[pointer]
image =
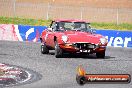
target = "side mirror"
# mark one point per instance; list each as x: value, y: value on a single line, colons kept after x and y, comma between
x: 50, y: 29
x: 93, y: 30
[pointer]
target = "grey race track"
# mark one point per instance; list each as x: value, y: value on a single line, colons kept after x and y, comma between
x: 61, y: 72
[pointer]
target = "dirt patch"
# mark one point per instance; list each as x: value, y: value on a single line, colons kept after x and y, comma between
x: 114, y: 11
x: 1, y: 72
x: 88, y: 3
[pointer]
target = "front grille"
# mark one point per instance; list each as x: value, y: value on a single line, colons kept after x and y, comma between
x: 84, y: 45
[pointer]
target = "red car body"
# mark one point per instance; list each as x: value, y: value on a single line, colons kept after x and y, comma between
x: 74, y: 37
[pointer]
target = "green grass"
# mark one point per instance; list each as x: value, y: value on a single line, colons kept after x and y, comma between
x: 23, y: 21
x: 41, y: 22
x: 123, y: 26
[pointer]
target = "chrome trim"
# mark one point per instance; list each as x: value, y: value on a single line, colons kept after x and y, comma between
x: 85, y: 45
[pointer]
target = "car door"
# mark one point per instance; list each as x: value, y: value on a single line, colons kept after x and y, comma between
x: 50, y: 35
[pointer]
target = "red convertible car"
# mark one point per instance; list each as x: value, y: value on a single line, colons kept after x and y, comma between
x: 72, y: 36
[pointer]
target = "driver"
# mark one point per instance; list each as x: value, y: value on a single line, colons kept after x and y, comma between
x: 77, y: 26
x: 61, y: 26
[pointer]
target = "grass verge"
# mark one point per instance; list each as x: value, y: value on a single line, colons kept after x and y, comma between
x: 123, y: 26
x: 40, y: 22
x: 24, y: 21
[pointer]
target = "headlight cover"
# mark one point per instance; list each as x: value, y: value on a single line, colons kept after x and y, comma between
x: 103, y: 40
x: 64, y: 38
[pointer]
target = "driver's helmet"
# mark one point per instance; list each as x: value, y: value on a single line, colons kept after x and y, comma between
x: 61, y: 26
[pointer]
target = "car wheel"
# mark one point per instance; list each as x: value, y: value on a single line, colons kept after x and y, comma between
x: 100, y: 54
x: 44, y: 49
x: 58, y: 51
x: 80, y: 80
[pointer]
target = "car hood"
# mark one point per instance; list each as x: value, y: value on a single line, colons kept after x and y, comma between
x: 82, y: 37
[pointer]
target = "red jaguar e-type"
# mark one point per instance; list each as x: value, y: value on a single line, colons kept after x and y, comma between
x: 72, y: 36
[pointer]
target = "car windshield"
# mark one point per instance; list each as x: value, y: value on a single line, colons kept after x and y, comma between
x: 78, y: 26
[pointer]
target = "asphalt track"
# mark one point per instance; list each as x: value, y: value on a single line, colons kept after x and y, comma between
x: 61, y: 72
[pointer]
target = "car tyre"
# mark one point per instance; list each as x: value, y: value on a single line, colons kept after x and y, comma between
x: 100, y: 54
x: 58, y: 51
x: 44, y: 49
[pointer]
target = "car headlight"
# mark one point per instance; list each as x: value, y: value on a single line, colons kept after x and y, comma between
x: 103, y: 40
x: 64, y: 38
